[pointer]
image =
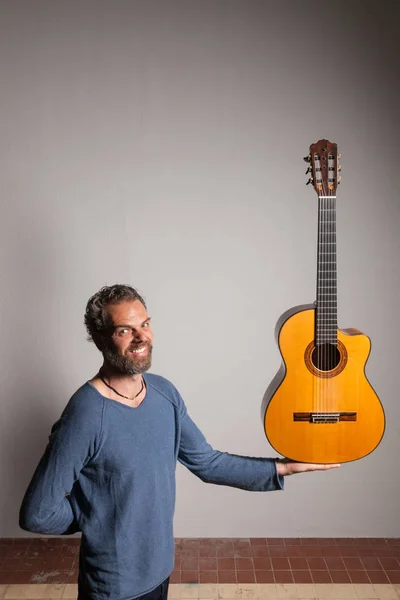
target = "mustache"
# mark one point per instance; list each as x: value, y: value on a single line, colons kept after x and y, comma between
x: 140, y: 345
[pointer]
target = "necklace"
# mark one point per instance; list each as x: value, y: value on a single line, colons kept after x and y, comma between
x: 118, y: 394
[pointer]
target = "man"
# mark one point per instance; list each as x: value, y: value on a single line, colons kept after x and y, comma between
x: 109, y: 467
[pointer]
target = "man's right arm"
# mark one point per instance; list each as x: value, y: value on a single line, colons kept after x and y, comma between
x: 46, y: 508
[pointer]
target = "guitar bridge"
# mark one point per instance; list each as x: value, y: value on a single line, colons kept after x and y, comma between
x: 324, y: 417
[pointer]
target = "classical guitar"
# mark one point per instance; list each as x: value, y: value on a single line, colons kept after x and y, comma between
x: 320, y: 407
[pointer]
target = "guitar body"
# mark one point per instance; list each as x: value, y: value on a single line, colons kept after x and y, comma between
x: 321, y: 416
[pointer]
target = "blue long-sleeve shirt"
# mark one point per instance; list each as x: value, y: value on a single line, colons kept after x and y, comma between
x: 109, y: 472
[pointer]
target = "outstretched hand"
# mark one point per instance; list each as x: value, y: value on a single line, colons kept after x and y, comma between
x: 284, y: 467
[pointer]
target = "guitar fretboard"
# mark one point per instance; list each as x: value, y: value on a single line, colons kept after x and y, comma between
x: 326, y: 311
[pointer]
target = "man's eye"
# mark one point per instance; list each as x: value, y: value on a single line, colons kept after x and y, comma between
x: 123, y: 331
x: 146, y: 324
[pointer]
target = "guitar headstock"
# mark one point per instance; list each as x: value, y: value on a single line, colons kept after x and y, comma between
x: 324, y: 167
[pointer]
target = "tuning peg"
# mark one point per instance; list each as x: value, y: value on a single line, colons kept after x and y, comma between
x: 311, y: 180
x: 339, y: 180
x: 307, y: 158
x: 339, y: 155
x: 339, y: 168
x: 309, y: 170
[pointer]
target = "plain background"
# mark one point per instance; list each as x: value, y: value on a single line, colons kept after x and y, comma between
x: 160, y: 143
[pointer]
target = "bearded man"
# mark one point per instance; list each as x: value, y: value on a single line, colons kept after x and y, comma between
x: 108, y: 470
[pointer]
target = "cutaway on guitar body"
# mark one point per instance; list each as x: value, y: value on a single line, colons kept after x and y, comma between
x: 315, y: 415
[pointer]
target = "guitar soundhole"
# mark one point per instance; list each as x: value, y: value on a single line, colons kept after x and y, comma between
x: 325, y: 357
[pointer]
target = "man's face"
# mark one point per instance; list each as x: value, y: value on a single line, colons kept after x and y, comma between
x: 127, y: 347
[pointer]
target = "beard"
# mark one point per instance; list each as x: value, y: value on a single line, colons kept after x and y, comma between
x: 128, y: 365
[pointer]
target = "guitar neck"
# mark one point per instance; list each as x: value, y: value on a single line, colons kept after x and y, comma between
x: 326, y: 309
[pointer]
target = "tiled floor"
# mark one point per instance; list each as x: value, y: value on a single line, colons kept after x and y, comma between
x: 320, y: 561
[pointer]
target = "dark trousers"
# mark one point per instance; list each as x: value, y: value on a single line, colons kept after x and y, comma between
x: 160, y: 593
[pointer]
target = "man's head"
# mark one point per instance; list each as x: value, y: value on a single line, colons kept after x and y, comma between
x: 116, y: 320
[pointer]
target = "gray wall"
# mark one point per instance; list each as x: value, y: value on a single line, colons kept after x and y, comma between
x: 160, y: 143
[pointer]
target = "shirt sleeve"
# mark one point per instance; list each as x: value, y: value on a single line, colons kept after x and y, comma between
x: 222, y: 468
x: 73, y: 441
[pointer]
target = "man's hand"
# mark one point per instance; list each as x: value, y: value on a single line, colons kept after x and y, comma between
x: 284, y: 467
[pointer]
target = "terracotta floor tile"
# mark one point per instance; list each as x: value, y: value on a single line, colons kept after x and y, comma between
x: 226, y: 576
x: 208, y: 577
x: 358, y: 577
x: 292, y: 542
x: 280, y: 563
x: 189, y: 563
x: 245, y: 577
x: 340, y: 576
x: 208, y: 564
x: 393, y: 576
x: 71, y: 551
x: 378, y: 576
x: 226, y: 564
x: 225, y: 551
x: 17, y: 552
x: 327, y: 542
x: 344, y: 541
x: 208, y: 542
x: 378, y: 552
x: 312, y: 551
x: 247, y: 550
x: 244, y: 564
x: 283, y: 576
x: 207, y: 551
x: 175, y: 577
x: 260, y: 551
x: 6, y: 577
x: 50, y: 577
x: 390, y: 564
x: 189, y: 577
x: 224, y: 542
x: 366, y: 551
x: 258, y: 541
x: 316, y: 563
x: 237, y: 543
x: 348, y: 551
x: 377, y: 541
x: 11, y: 564
x: 24, y: 541
x: 275, y: 541
x: 298, y: 562
x: 262, y: 564
x: 353, y: 563
x: 264, y: 576
x: 371, y: 563
x: 321, y: 576
x: 331, y: 551
x: 73, y: 576
x: 303, y: 576
x: 22, y: 576
x: 189, y: 552
x: 190, y: 542
x: 334, y: 563
x: 295, y: 551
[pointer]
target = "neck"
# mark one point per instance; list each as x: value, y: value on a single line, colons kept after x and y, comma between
x: 110, y: 372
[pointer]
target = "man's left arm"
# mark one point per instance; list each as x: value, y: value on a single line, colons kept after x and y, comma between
x: 255, y: 474
x: 223, y: 468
